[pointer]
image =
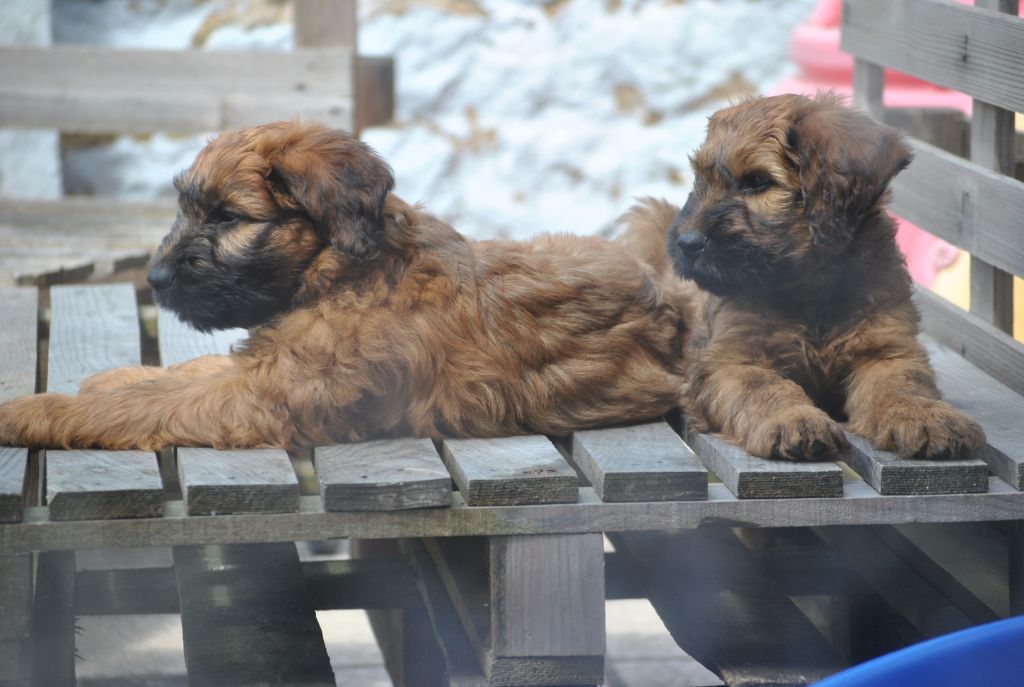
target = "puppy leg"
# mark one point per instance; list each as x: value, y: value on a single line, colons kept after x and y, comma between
x: 766, y: 414
x: 124, y: 376
x: 179, y: 407
x: 893, y: 401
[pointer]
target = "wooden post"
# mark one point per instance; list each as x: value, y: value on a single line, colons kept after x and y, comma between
x: 868, y: 86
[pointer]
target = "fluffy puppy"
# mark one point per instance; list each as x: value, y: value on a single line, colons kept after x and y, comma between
x: 370, y: 317
x: 807, y: 319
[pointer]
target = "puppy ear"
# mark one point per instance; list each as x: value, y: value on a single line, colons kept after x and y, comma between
x: 339, y: 181
x: 845, y: 160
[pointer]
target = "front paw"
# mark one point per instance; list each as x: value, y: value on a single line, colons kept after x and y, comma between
x: 30, y: 421
x: 797, y: 433
x: 929, y: 429
x: 108, y: 380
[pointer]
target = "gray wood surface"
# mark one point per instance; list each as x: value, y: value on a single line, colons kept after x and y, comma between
x: 964, y: 203
x: 53, y: 630
x: 646, y: 462
x: 97, y: 90
x: 180, y: 343
x: 382, y: 475
x: 249, y: 481
x: 750, y: 477
x: 889, y: 474
x: 977, y: 52
x: 868, y: 88
x: 247, y: 618
x: 94, y: 328
x: 16, y: 610
x: 861, y: 505
x: 997, y: 408
x: 726, y: 612
x: 19, y: 309
x: 509, y: 471
x: 992, y: 351
x: 97, y: 485
x: 13, y: 462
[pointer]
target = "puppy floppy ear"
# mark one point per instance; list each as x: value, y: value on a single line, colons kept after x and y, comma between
x: 339, y: 181
x: 845, y: 161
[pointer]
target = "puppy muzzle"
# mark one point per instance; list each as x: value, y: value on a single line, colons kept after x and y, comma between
x: 692, y: 243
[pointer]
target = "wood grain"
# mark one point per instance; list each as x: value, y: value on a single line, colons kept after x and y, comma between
x: 179, y: 342
x: 246, y: 617
x: 977, y: 52
x: 509, y: 471
x: 19, y: 308
x: 997, y: 408
x: 861, y: 505
x: 962, y: 202
x: 646, y: 462
x: 724, y: 611
x: 750, y: 477
x: 247, y: 481
x: 97, y: 485
x: 13, y: 464
x: 888, y: 474
x: 382, y: 475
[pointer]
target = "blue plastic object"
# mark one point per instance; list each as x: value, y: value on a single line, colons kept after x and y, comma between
x: 987, y: 656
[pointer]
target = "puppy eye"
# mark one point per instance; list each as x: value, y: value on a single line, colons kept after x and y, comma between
x: 756, y: 183
x: 222, y: 216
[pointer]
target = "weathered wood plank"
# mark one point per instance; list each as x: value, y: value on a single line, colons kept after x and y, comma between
x: 180, y: 343
x: 861, y: 505
x: 974, y: 51
x: 97, y: 485
x: 53, y: 631
x: 247, y: 618
x: 750, y: 477
x: 964, y: 203
x: 19, y: 309
x: 375, y: 86
x: 997, y: 408
x: 382, y: 475
x: 994, y: 352
x: 502, y: 590
x: 725, y: 612
x: 13, y: 464
x: 509, y: 471
x: 16, y: 614
x: 250, y: 481
x: 868, y: 88
x: 888, y: 474
x: 646, y: 462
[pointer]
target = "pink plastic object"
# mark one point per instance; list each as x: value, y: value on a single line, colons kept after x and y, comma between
x: 814, y: 48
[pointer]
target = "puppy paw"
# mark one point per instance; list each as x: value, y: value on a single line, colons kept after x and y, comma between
x: 929, y: 429
x: 108, y: 380
x: 797, y: 433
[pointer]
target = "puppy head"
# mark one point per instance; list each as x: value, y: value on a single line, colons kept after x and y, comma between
x: 782, y: 185
x: 255, y: 210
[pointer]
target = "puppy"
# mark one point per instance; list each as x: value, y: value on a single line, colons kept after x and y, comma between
x: 371, y: 318
x: 807, y: 317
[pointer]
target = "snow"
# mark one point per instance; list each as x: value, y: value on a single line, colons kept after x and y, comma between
x: 512, y: 117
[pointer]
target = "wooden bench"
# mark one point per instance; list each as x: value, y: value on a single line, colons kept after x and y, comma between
x: 482, y: 560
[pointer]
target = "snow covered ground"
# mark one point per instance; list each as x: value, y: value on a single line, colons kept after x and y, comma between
x: 512, y: 117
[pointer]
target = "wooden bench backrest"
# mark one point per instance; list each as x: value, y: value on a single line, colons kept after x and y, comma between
x: 974, y: 204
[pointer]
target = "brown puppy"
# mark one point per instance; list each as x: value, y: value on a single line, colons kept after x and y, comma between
x: 370, y: 317
x: 808, y: 318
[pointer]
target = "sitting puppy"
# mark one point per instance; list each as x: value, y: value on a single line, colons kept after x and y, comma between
x: 371, y: 318
x: 808, y: 316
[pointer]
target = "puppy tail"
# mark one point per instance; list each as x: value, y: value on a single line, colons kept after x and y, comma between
x: 643, y: 231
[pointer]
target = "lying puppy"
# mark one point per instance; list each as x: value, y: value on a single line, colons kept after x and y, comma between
x: 371, y: 318
x: 808, y: 316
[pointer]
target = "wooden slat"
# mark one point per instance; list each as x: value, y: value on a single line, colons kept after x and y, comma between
x: 53, y: 631
x: 992, y: 351
x: 382, y: 475
x: 94, y: 328
x: 639, y: 463
x: 13, y: 464
x: 963, y: 203
x: 861, y: 505
x: 247, y: 618
x: 18, y: 311
x: 180, y: 343
x: 978, y: 52
x: 997, y: 408
x: 532, y: 607
x: 725, y: 612
x: 16, y: 611
x: 250, y: 481
x: 510, y: 471
x: 750, y: 477
x: 888, y: 474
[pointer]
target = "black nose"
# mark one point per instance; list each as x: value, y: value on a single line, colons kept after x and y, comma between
x: 692, y: 243
x: 160, y: 277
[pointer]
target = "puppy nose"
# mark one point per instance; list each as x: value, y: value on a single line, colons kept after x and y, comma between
x: 160, y: 277
x: 692, y: 243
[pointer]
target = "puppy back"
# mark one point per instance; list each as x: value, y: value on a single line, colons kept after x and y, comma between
x: 643, y: 231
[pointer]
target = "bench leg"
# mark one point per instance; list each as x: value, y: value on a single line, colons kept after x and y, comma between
x: 53, y: 631
x: 16, y: 620
x: 1017, y: 568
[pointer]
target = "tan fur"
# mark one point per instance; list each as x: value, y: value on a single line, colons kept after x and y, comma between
x: 395, y: 323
